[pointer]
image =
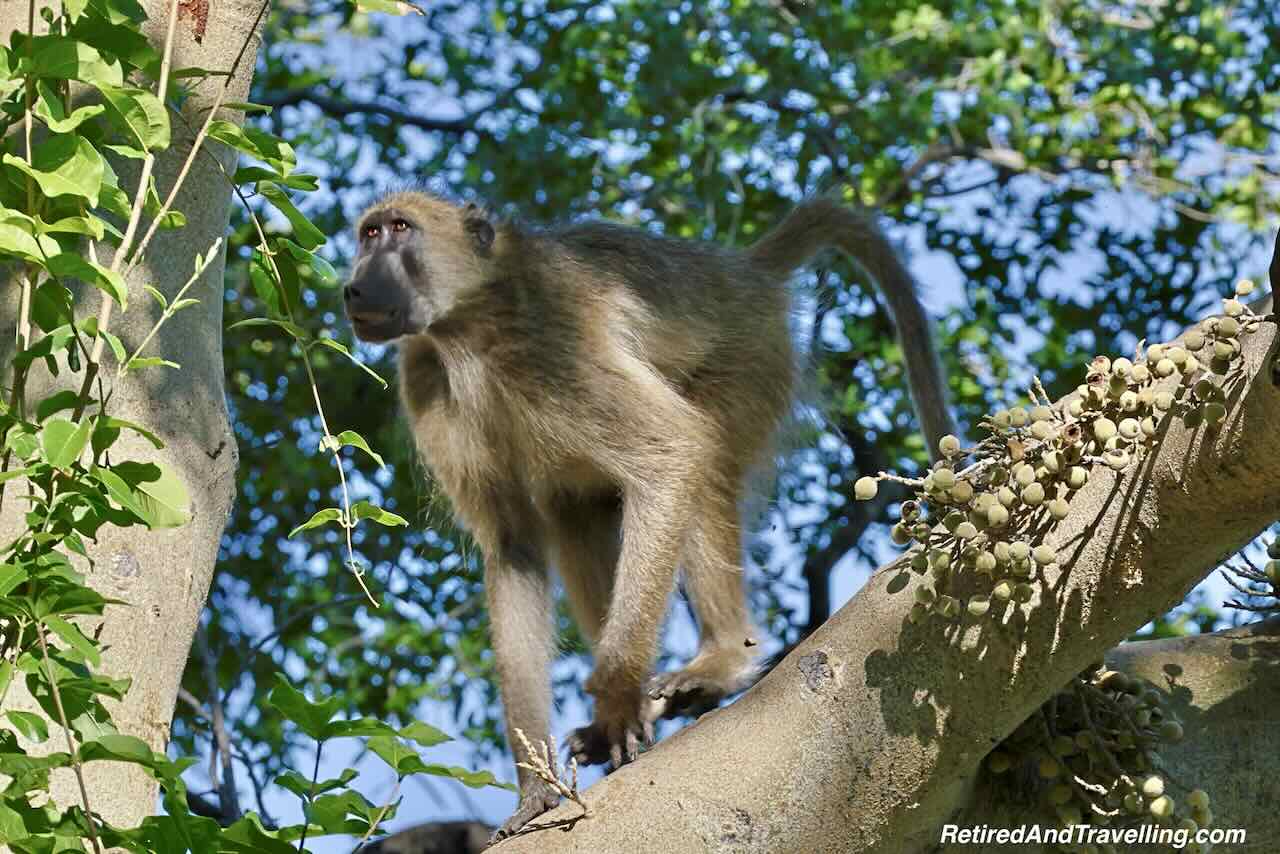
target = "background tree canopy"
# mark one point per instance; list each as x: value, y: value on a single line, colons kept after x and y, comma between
x: 1069, y: 177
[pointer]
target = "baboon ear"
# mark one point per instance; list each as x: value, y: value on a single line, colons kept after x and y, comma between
x: 478, y: 227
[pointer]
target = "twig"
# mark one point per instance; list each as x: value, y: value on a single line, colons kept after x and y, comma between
x: 256, y: 646
x: 328, y: 440
x: 196, y: 143
x: 228, y: 796
x: 17, y: 398
x: 202, y: 264
x: 135, y: 216
x: 315, y: 775
x: 399, y: 118
x: 66, y: 731
x: 377, y: 819
x: 546, y: 767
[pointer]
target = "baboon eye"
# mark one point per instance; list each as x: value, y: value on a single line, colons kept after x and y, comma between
x: 399, y: 225
x: 372, y: 231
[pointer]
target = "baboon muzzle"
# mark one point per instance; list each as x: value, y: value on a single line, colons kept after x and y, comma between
x: 374, y: 302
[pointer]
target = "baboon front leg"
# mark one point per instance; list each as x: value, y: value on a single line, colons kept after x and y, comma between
x: 520, y: 621
x: 725, y: 662
x: 654, y: 523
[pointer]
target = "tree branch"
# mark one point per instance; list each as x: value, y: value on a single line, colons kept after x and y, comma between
x: 341, y: 108
x: 867, y: 736
x: 1224, y: 690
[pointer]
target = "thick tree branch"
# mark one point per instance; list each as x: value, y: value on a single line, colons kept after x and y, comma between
x: 1225, y: 689
x: 867, y: 736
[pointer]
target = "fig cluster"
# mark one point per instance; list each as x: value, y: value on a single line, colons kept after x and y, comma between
x: 1093, y: 750
x: 982, y: 518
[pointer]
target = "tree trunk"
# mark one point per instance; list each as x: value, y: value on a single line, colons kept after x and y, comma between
x: 868, y: 736
x: 163, y: 575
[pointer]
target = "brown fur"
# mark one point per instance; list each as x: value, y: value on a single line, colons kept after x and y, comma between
x: 593, y: 397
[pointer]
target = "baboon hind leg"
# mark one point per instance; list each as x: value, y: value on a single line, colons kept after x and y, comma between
x: 586, y: 539
x: 725, y: 661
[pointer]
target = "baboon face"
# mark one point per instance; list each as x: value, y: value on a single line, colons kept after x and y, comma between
x: 418, y: 260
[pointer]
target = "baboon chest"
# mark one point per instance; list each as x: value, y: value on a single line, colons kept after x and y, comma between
x: 493, y: 443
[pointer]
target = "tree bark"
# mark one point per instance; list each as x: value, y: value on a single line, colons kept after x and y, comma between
x: 868, y: 736
x: 163, y: 575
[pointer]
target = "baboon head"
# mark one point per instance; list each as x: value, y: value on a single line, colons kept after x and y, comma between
x: 419, y: 260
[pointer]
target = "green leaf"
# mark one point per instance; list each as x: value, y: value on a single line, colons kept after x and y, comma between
x: 360, y: 727
x: 160, y: 492
x: 56, y: 402
x: 74, y: 638
x: 141, y: 113
x: 306, y: 234
x: 64, y: 165
x: 118, y: 748
x: 150, y: 491
x: 424, y: 734
x: 342, y: 348
x: 74, y: 8
x: 246, y: 107
x: 365, y: 510
x: 271, y: 150
x: 141, y: 362
x: 312, y: 262
x: 18, y: 236
x: 66, y: 58
x: 22, y: 442
x: 389, y: 7
x: 248, y: 836
x: 322, y: 517
x: 120, y: 490
x: 11, y: 576
x: 128, y: 152
x: 292, y: 328
x: 71, y: 264
x: 88, y: 224
x: 265, y: 284
x: 333, y: 812
x: 32, y: 726
x: 312, y: 718
x: 295, y: 181
x: 402, y: 758
x: 110, y: 426
x: 12, y: 826
x: 117, y: 346
x: 301, y: 786
x: 156, y: 295
x: 473, y: 779
x: 63, y: 441
x: 48, y: 108
x: 113, y: 31
x: 173, y: 218
x: 55, y: 342
x: 355, y: 440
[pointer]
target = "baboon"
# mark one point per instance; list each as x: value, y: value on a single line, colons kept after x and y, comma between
x: 593, y: 397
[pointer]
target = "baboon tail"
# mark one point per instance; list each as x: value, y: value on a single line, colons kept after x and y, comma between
x: 820, y: 223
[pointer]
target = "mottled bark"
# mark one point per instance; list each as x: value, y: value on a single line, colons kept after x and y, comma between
x: 163, y: 575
